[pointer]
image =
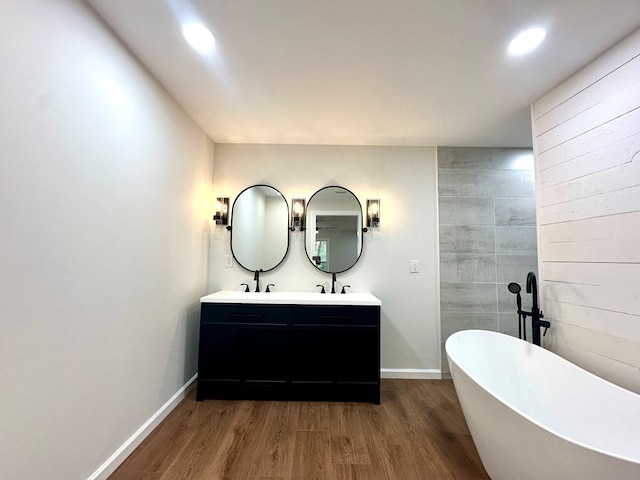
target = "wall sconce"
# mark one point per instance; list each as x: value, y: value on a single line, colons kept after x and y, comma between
x: 221, y: 217
x: 373, y: 213
x: 297, y: 214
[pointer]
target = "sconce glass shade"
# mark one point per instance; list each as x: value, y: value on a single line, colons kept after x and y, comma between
x: 297, y: 213
x: 373, y: 213
x: 221, y: 217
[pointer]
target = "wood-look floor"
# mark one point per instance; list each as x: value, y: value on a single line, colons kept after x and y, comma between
x: 418, y: 432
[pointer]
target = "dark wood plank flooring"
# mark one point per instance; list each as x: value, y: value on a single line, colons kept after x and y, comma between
x: 418, y: 432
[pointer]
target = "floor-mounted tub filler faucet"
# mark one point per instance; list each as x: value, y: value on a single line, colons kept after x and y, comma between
x: 535, y: 313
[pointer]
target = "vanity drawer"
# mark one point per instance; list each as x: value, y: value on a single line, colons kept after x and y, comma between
x: 335, y: 315
x: 241, y: 314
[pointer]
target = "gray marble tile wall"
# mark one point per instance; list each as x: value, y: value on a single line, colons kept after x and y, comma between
x: 487, y: 236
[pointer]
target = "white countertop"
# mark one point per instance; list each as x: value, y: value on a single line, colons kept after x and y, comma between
x: 292, y: 298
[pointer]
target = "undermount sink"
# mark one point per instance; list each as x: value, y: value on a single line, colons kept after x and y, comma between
x: 292, y: 298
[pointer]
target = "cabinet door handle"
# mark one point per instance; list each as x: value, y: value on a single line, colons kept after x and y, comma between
x: 333, y: 318
x: 251, y: 316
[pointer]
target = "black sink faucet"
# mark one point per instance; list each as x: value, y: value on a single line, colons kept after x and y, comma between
x: 256, y: 277
x: 536, y: 314
x: 333, y: 282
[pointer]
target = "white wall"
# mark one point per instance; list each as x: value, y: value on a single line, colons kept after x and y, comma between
x: 587, y: 145
x: 104, y: 227
x: 405, y: 180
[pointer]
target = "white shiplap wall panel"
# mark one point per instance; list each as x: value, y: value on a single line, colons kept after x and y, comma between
x: 596, y: 94
x: 609, y: 346
x: 622, y: 275
x: 599, y: 160
x: 609, y: 133
x: 626, y: 199
x: 591, y: 351
x: 617, y: 324
x: 587, y: 147
x: 600, y: 67
x: 616, y: 105
x: 601, y: 297
x: 609, y: 239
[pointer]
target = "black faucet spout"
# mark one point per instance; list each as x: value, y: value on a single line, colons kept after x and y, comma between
x: 256, y: 278
x: 536, y: 314
x: 333, y: 282
x: 532, y: 288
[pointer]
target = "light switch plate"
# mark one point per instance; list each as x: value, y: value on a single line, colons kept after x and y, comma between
x: 415, y: 266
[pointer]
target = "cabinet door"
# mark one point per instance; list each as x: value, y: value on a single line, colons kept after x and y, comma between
x: 266, y: 354
x: 219, y: 356
x: 335, y: 354
x: 356, y: 354
x: 312, y: 354
x: 336, y: 343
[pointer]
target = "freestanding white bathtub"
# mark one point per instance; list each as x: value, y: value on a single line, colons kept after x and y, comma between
x: 534, y: 415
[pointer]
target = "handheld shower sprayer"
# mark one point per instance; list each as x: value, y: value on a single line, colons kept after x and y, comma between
x: 515, y: 288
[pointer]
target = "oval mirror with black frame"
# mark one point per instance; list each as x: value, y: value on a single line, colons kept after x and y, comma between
x: 333, y: 234
x: 259, y: 228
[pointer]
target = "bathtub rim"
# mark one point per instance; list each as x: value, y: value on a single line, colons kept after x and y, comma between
x: 580, y: 370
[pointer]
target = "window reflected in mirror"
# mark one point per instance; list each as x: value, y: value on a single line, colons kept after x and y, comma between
x: 320, y: 257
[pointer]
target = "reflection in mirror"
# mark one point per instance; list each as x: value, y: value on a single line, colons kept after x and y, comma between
x: 333, y: 235
x: 259, y: 228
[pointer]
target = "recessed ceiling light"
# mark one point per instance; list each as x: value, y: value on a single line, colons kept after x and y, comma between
x: 199, y: 37
x: 527, y: 41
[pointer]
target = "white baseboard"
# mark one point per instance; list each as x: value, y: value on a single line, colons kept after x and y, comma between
x: 411, y: 373
x: 119, y: 456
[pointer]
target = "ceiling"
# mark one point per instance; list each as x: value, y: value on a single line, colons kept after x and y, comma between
x: 366, y: 72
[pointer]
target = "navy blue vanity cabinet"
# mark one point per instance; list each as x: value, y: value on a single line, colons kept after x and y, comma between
x: 242, y: 348
x: 296, y: 352
x: 337, y: 351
